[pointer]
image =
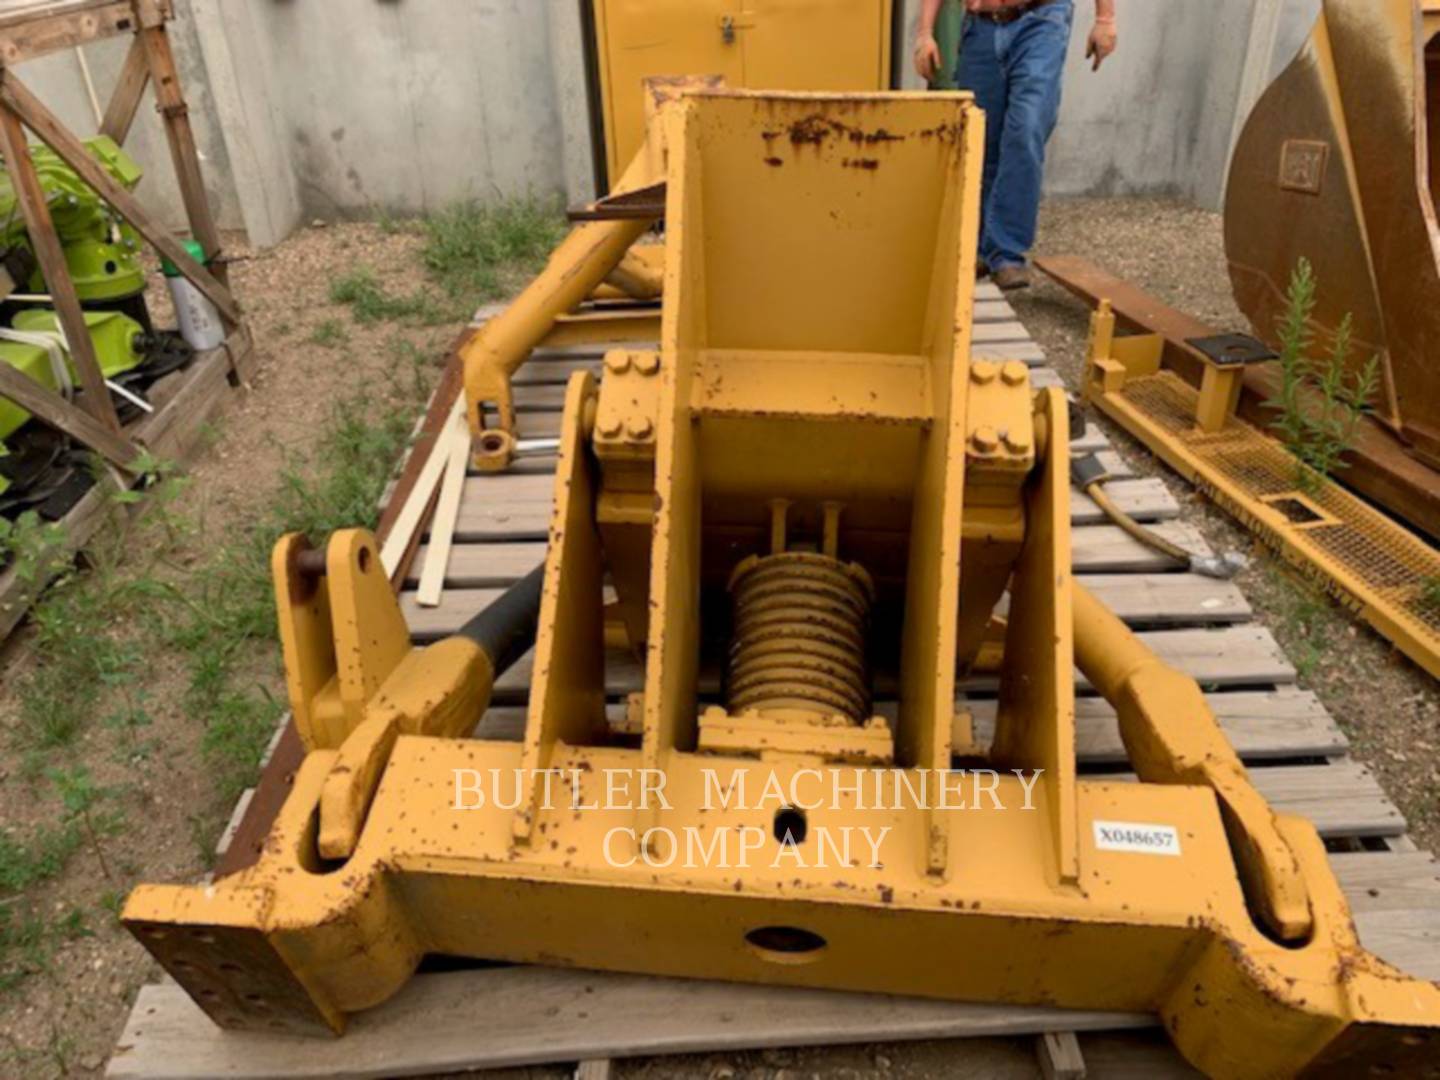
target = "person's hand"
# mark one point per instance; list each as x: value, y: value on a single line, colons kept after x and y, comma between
x: 1103, y: 40
x: 927, y: 57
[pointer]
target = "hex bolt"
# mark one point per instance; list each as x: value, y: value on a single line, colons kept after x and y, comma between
x: 1014, y: 373
x: 647, y: 363
x: 985, y: 440
x: 640, y: 427
x: 609, y: 427
x: 617, y: 362
x: 1017, y: 442
x: 982, y: 372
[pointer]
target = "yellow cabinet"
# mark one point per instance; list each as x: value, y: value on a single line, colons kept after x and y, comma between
x: 758, y: 44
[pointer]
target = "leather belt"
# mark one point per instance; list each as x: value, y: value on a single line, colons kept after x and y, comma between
x: 1009, y: 15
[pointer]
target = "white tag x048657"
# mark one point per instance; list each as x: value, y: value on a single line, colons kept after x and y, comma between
x: 1140, y: 839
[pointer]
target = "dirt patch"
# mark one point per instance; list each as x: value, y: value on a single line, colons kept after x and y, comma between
x: 1388, y: 707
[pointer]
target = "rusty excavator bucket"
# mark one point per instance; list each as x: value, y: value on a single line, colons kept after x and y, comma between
x: 1340, y: 164
x: 807, y: 505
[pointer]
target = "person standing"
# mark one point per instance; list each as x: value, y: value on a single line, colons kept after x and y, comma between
x: 1012, y: 58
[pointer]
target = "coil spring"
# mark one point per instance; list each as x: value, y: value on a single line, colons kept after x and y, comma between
x: 800, y: 633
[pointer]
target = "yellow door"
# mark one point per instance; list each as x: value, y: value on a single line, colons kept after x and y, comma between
x: 755, y: 44
x: 816, y: 44
x: 639, y: 39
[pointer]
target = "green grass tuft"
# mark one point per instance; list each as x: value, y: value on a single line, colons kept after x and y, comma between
x: 478, y: 252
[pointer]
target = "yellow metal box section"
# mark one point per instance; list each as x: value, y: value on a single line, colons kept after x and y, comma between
x: 756, y: 44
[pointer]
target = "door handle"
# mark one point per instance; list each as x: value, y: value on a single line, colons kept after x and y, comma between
x: 730, y: 23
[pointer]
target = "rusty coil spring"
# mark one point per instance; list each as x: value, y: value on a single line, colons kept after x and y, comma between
x: 800, y: 631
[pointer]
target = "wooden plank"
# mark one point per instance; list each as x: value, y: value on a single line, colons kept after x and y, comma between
x: 1098, y: 549
x: 407, y: 521
x: 517, y: 1016
x: 46, y: 244
x: 478, y: 566
x: 127, y: 95
x: 175, y: 117
x: 54, y: 134
x: 983, y: 334
x: 1231, y: 656
x: 1396, y: 901
x: 1169, y: 599
x: 1341, y: 799
x: 442, y: 524
x: 1108, y: 549
x: 33, y: 30
x: 1058, y: 1053
x: 1139, y: 599
x: 517, y: 507
x: 1262, y: 725
x: 80, y: 424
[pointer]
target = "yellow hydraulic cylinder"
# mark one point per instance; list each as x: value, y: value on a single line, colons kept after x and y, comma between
x: 588, y: 256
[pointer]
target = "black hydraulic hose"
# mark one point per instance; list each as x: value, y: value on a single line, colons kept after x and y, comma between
x: 506, y: 629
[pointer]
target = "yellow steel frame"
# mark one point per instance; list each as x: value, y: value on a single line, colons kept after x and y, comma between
x: 814, y: 348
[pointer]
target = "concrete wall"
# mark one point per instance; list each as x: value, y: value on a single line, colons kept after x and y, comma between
x: 335, y: 108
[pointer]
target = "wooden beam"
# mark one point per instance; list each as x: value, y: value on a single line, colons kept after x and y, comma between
x: 37, y: 29
x: 31, y: 197
x: 129, y: 90
x: 50, y: 408
x: 16, y: 97
x: 175, y: 115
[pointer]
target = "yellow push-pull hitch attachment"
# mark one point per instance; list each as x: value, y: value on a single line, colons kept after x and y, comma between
x: 809, y: 505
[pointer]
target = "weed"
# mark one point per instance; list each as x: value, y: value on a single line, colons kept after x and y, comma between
x: 35, y: 548
x: 478, y: 252
x: 329, y: 334
x: 1307, y: 621
x: 1430, y: 593
x: 392, y: 224
x: 1318, y: 428
x: 81, y: 797
x: 370, y: 303
x: 23, y: 865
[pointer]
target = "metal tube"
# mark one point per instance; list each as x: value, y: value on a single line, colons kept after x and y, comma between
x: 505, y: 631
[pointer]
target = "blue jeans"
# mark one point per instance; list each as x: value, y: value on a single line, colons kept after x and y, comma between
x: 1015, y: 73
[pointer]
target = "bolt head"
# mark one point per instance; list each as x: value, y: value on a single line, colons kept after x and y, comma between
x: 609, y: 427
x: 617, y: 362
x: 1017, y: 442
x: 640, y: 427
x: 647, y: 363
x: 985, y: 440
x: 982, y: 372
x: 1014, y: 373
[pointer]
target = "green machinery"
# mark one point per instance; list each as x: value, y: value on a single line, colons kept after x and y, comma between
x: 120, y: 345
x: 102, y: 253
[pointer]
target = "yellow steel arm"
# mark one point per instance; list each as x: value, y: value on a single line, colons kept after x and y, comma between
x: 1173, y: 738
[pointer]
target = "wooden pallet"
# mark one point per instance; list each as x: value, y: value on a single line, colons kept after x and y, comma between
x: 526, y: 1016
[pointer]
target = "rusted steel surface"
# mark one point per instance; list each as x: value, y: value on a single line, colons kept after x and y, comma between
x: 1380, y: 467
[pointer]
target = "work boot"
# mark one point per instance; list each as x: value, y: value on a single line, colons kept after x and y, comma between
x: 1010, y: 278
x: 981, y: 271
